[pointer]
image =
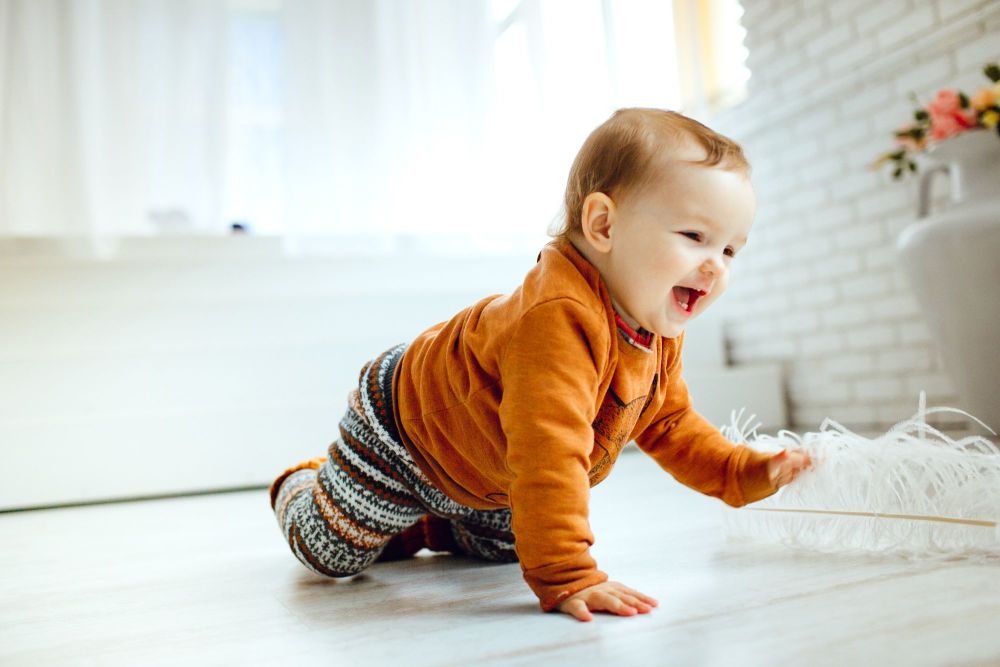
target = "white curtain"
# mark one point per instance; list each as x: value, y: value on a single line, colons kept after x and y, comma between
x: 110, y: 110
x: 387, y: 113
x: 376, y: 118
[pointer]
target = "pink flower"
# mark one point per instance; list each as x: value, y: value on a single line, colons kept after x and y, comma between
x: 948, y: 118
x: 948, y: 125
x: 946, y: 102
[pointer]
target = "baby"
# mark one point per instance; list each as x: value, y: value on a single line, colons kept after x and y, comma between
x: 483, y: 436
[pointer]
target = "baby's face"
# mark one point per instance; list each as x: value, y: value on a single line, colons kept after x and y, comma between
x: 673, y: 242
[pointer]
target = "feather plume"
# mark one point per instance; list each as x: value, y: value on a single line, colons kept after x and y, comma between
x: 913, y: 491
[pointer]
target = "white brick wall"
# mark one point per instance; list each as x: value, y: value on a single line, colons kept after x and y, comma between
x: 818, y: 287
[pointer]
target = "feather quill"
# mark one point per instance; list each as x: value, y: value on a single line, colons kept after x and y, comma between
x: 912, y: 491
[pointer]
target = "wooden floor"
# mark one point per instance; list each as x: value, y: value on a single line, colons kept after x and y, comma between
x: 208, y: 580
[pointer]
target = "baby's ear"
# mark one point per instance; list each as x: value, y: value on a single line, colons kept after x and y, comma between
x: 597, y: 220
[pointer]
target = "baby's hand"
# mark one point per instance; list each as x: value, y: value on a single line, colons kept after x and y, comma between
x: 785, y: 466
x: 610, y: 596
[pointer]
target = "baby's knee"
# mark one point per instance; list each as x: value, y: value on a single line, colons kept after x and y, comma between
x: 328, y: 557
x: 322, y: 535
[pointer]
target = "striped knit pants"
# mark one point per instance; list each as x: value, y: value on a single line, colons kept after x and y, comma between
x: 338, y: 513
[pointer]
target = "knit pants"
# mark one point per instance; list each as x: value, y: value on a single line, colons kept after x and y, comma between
x: 338, y: 513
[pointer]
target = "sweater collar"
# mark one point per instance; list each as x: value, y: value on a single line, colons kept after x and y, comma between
x: 642, y: 339
x: 582, y: 264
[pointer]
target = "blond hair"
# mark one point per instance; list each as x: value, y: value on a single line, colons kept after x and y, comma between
x: 616, y: 158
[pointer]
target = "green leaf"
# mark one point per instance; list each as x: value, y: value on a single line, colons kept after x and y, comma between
x: 913, y: 166
x: 897, y: 155
x: 992, y: 71
x: 921, y: 115
x: 897, y: 173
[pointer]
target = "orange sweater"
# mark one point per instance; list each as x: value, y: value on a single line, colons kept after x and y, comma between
x: 524, y: 401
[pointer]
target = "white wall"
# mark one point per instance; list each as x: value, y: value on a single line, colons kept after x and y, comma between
x: 188, y: 364
x: 818, y: 288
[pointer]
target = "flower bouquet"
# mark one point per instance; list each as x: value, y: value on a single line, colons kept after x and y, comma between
x: 950, y: 113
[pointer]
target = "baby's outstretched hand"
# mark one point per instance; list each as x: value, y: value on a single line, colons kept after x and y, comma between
x: 609, y: 596
x: 785, y: 466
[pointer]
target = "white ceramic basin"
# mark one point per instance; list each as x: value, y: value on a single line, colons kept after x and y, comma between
x: 953, y: 263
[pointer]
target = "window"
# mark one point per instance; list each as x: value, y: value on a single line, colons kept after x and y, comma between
x: 302, y: 117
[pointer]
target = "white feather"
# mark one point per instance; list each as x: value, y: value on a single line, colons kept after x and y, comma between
x: 912, y: 491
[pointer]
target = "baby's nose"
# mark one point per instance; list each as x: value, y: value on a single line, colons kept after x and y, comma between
x: 713, y: 265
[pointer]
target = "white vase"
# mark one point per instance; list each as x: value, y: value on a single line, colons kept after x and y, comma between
x: 952, y: 260
x: 972, y: 162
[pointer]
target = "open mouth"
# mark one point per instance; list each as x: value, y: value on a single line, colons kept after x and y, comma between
x: 686, y: 297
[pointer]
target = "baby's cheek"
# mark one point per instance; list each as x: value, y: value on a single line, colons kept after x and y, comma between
x: 717, y: 291
x: 720, y: 287
x: 723, y: 281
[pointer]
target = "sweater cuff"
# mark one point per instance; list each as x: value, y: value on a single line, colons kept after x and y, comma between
x: 754, y: 482
x: 550, y: 597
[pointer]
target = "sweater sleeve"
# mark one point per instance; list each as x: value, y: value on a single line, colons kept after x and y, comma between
x: 695, y: 453
x: 551, y: 371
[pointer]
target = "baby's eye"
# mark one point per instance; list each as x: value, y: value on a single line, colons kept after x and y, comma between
x: 729, y: 252
x: 694, y: 236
